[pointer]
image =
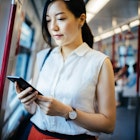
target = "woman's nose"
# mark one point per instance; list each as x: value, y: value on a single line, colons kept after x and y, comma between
x: 54, y: 26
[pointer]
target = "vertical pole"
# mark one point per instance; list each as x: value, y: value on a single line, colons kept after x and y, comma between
x: 100, y: 45
x: 6, y: 53
x: 137, y: 88
x: 138, y: 60
x: 113, y: 50
x: 7, y: 47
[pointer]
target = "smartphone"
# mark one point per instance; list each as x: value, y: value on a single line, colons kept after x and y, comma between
x: 21, y: 82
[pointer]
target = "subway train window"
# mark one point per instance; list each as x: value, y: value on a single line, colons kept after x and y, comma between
x: 26, y: 35
x: 127, y: 55
x: 130, y: 58
x: 25, y: 44
x: 122, y: 51
x: 15, y: 110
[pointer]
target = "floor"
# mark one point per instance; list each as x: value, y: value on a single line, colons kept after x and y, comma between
x: 126, y: 125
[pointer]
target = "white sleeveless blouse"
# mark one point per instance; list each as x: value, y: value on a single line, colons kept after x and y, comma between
x: 72, y: 82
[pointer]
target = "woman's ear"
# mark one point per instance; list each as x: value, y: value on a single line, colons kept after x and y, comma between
x: 82, y: 19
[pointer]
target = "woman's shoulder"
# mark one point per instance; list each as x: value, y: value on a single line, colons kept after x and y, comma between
x: 92, y: 55
x: 97, y: 55
x: 91, y: 51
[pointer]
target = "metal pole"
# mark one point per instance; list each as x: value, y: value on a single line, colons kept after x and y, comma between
x: 137, y: 88
x: 7, y: 47
x: 6, y: 53
x: 113, y: 50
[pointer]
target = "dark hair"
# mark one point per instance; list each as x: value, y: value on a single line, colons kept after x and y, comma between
x: 77, y: 7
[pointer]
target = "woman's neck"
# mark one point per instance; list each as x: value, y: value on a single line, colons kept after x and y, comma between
x: 66, y: 50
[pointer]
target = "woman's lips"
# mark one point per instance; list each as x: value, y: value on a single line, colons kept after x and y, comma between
x: 57, y: 36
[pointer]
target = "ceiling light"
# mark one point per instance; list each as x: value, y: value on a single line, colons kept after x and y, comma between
x: 117, y: 30
x: 125, y: 27
x: 114, y: 22
x: 134, y: 23
x: 100, y: 29
x: 97, y: 38
x: 94, y: 6
x: 107, y: 35
x: 89, y: 17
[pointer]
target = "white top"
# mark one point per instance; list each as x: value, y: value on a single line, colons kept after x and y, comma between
x: 72, y: 82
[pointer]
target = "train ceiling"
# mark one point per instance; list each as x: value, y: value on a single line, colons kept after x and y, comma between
x: 121, y: 11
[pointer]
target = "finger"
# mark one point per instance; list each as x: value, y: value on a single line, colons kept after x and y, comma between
x: 44, y: 98
x: 25, y: 93
x: 17, y: 87
x: 46, y: 104
x: 44, y: 109
x: 29, y: 98
x: 29, y: 101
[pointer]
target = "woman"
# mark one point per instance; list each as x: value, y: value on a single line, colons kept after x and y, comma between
x: 76, y: 81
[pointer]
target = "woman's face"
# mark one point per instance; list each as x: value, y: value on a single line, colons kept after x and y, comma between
x: 62, y: 25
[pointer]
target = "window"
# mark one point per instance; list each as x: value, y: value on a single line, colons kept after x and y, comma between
x: 127, y: 56
x: 14, y: 106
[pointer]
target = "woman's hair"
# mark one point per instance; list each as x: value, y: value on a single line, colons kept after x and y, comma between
x: 77, y: 7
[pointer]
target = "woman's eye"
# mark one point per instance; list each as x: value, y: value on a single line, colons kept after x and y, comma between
x: 61, y: 18
x: 47, y: 20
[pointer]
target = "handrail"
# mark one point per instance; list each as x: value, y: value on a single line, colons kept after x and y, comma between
x: 137, y: 89
x: 7, y: 47
x: 6, y: 52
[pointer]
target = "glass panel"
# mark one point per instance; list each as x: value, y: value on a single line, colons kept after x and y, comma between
x: 21, y: 65
x: 26, y: 36
x: 127, y: 56
x: 122, y: 55
x: 15, y: 109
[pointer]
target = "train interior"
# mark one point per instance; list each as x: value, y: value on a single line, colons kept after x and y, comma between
x: 116, y: 29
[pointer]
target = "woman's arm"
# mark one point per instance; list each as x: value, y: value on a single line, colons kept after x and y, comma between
x: 104, y: 121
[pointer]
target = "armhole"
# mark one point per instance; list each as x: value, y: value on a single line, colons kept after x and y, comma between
x: 46, y: 56
x: 96, y: 108
x: 39, y: 64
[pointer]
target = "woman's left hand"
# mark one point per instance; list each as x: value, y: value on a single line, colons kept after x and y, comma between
x: 52, y: 107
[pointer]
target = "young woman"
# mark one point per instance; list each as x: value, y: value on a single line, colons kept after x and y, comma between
x: 76, y: 81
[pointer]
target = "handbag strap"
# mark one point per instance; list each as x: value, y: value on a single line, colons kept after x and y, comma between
x: 46, y: 56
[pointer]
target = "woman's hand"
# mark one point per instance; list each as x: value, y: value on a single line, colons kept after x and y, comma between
x: 27, y: 97
x: 53, y: 107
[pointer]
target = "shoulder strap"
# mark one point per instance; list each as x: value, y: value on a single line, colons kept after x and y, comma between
x: 48, y: 53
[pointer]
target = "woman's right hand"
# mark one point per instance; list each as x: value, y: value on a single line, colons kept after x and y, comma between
x: 27, y: 97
